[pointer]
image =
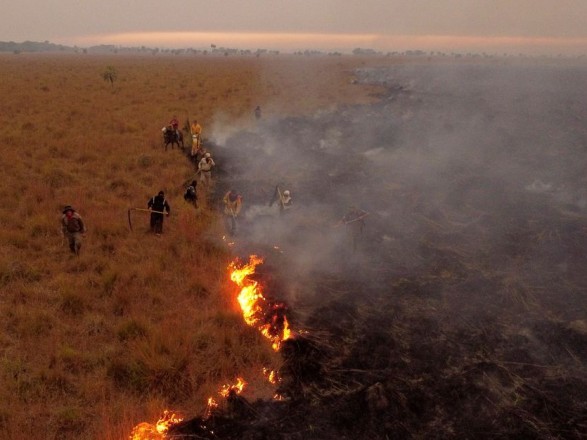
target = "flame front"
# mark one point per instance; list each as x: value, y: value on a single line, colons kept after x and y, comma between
x: 157, y: 431
x: 225, y: 392
x: 237, y: 388
x: 268, y: 317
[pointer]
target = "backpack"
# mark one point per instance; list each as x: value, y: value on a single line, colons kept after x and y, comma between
x: 73, y: 225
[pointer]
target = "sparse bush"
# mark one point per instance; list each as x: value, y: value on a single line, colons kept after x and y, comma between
x: 72, y: 303
x: 37, y: 324
x: 131, y: 329
x: 17, y: 270
x: 75, y: 361
x: 67, y: 421
x: 110, y: 75
x: 127, y: 374
x: 109, y: 278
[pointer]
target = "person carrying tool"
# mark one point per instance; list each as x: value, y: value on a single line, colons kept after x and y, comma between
x: 205, y: 169
x: 191, y: 194
x: 232, y: 207
x: 72, y: 227
x: 284, y: 199
x: 159, y: 207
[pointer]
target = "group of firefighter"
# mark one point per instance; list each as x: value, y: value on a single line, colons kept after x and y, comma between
x: 73, y: 226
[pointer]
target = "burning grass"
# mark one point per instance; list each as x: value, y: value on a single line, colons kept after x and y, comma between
x: 460, y: 311
x: 87, y: 346
x: 460, y: 327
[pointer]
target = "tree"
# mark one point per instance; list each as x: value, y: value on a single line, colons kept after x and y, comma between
x: 110, y: 74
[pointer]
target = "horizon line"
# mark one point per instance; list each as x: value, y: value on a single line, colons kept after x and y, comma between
x: 339, y: 41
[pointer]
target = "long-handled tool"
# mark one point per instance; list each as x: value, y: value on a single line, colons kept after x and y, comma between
x: 144, y: 210
x: 361, y: 217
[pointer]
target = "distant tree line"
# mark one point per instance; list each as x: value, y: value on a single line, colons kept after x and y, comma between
x: 33, y: 46
x: 46, y: 46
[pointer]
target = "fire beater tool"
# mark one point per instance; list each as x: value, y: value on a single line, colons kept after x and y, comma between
x: 144, y: 210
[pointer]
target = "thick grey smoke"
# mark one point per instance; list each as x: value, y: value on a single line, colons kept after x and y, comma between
x: 464, y: 162
x: 469, y: 277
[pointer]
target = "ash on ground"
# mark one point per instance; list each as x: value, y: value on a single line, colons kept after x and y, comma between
x: 460, y: 310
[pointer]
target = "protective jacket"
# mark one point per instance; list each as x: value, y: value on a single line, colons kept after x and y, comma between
x: 232, y: 203
x: 158, y: 203
x: 73, y: 223
x: 206, y: 164
x: 196, y: 128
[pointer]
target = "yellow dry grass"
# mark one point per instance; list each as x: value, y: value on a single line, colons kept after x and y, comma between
x: 90, y: 346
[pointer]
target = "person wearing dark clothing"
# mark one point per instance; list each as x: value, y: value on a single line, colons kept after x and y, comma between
x: 190, y: 194
x: 257, y: 112
x: 73, y: 227
x: 160, y: 208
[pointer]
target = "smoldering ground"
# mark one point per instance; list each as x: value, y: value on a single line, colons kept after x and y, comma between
x: 462, y: 308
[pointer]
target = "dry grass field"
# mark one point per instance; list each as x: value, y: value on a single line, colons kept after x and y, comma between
x: 92, y: 345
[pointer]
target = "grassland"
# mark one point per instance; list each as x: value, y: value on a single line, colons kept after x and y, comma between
x: 92, y: 345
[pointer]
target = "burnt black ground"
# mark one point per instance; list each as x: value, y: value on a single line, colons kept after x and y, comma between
x: 463, y: 311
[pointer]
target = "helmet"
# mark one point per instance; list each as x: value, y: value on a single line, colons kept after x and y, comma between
x: 207, y: 155
x: 161, y: 193
x: 286, y: 192
x: 68, y: 208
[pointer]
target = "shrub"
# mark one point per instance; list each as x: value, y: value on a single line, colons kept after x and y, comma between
x: 131, y: 329
x: 72, y: 303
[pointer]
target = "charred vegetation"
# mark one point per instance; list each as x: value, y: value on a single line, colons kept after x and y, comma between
x: 461, y: 314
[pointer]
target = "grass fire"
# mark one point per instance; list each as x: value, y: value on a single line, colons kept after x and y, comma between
x: 267, y: 316
x: 423, y: 278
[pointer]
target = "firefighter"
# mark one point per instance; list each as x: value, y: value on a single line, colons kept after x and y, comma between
x: 73, y: 228
x: 205, y: 169
x: 158, y: 204
x: 196, y: 131
x: 232, y: 207
x: 284, y: 199
x: 191, y: 194
x: 175, y: 125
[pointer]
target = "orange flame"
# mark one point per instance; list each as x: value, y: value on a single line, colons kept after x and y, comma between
x: 257, y: 311
x: 271, y: 376
x: 157, y: 431
x: 236, y: 388
x: 268, y: 317
x: 210, y: 407
x: 225, y: 391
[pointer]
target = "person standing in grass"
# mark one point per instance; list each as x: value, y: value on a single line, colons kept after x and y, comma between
x: 205, y: 169
x: 175, y: 125
x: 160, y: 208
x: 196, y: 130
x: 73, y: 227
x: 232, y: 207
x: 190, y: 194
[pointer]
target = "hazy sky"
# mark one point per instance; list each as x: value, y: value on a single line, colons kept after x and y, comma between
x: 532, y: 26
